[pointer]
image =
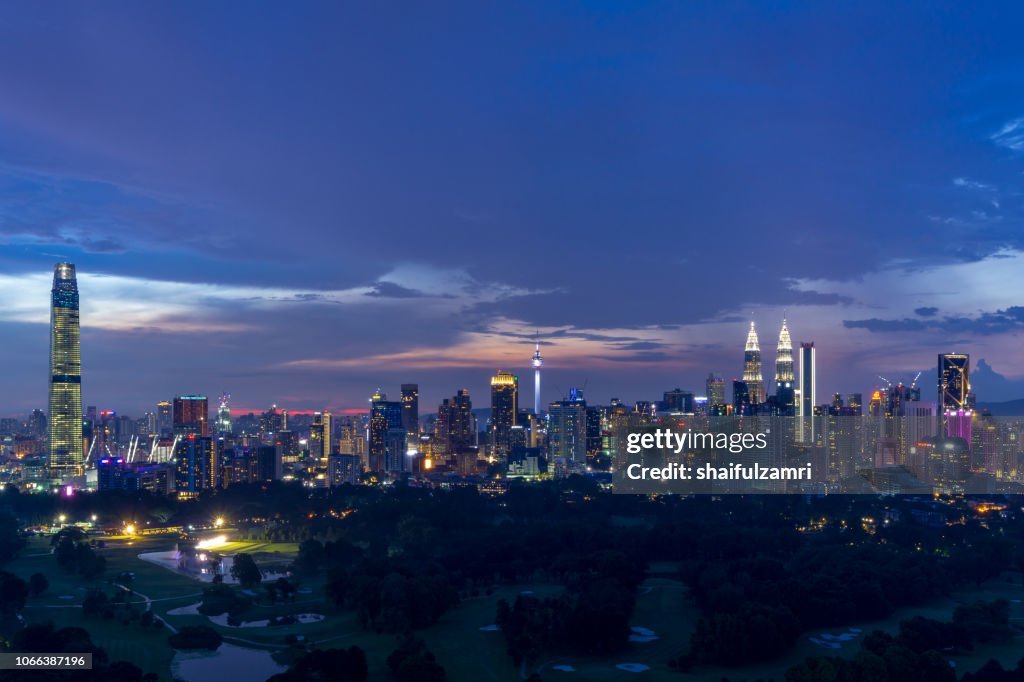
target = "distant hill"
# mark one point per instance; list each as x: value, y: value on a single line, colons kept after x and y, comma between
x: 1009, y: 408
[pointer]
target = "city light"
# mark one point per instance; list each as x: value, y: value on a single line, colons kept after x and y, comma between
x: 215, y: 541
x: 219, y: 521
x: 129, y: 529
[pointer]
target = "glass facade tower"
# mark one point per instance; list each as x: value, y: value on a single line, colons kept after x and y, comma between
x: 65, y: 417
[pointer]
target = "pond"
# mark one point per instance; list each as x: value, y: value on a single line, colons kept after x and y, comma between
x: 227, y: 662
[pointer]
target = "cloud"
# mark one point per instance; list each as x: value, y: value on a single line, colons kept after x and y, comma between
x: 973, y: 184
x: 1010, y: 135
x: 392, y: 290
x: 926, y: 311
x: 986, y: 324
x: 121, y: 303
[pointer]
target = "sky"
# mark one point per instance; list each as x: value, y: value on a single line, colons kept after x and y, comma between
x: 297, y: 203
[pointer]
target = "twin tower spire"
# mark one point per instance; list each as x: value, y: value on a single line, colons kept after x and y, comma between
x: 752, y: 375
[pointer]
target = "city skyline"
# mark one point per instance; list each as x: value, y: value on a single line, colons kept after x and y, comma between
x: 284, y: 209
x: 65, y: 348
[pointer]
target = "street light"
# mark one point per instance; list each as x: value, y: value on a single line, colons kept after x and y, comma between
x: 62, y: 518
x: 129, y: 529
x: 219, y: 521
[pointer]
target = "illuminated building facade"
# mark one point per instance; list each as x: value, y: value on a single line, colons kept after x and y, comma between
x: 954, y: 392
x: 411, y: 408
x: 806, y: 432
x: 164, y: 419
x: 752, y: 376
x: 715, y: 390
x: 385, y: 420
x: 196, y: 466
x: 191, y: 415
x: 785, y: 381
x: 66, y: 448
x: 567, y: 431
x: 224, y: 426
x: 504, y: 409
x: 320, y: 438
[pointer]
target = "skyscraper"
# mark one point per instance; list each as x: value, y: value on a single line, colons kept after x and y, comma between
x: 784, y: 356
x: 715, y: 386
x: 320, y: 438
x: 752, y: 367
x: 385, y: 422
x: 191, y: 415
x: 164, y: 420
x: 784, y: 379
x: 65, y: 415
x: 808, y: 395
x: 461, y: 430
x: 224, y: 415
x: 954, y: 394
x: 504, y: 408
x: 538, y: 362
x: 197, y: 467
x: 411, y: 408
x: 567, y: 434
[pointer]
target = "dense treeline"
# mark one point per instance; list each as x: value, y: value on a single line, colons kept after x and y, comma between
x: 919, y: 653
x: 760, y: 583
x: 591, y: 616
x: 70, y: 640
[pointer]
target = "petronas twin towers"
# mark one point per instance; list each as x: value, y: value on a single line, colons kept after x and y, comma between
x: 752, y: 374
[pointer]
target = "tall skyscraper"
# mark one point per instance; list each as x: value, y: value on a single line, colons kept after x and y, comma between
x: 785, y: 389
x: 715, y: 387
x: 224, y: 415
x: 65, y: 416
x: 461, y: 429
x: 411, y: 408
x: 784, y: 356
x: 538, y: 362
x: 808, y: 394
x: 191, y: 415
x: 197, y: 467
x: 752, y: 376
x: 385, y: 422
x: 567, y: 434
x: 164, y: 420
x: 954, y: 394
x: 740, y: 397
x: 320, y: 438
x: 504, y: 409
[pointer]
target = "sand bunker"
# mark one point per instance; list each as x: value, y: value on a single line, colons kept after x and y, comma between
x: 633, y: 667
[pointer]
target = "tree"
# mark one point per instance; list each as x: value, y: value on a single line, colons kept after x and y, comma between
x: 11, y: 539
x: 328, y: 665
x: 13, y: 593
x: 245, y: 571
x: 413, y: 662
x: 37, y: 584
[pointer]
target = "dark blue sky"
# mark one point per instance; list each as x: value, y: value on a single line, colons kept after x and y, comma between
x: 298, y: 203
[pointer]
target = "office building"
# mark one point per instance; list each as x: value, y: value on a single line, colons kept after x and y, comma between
x: 66, y: 445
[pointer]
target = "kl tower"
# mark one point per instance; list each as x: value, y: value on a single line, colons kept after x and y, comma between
x: 538, y: 362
